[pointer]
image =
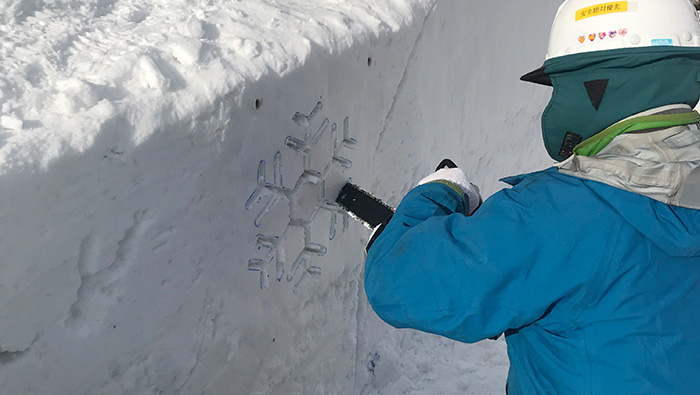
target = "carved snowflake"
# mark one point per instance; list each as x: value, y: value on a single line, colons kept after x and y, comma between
x: 305, y: 200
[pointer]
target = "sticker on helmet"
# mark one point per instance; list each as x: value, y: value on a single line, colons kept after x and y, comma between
x: 602, y: 9
x: 662, y: 41
x: 617, y: 33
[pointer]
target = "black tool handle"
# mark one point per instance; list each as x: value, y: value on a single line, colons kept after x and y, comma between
x: 446, y: 163
x: 363, y: 205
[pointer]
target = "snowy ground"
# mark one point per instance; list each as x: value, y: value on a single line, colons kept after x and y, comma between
x: 165, y: 176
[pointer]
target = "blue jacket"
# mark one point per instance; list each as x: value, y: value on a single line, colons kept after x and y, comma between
x: 596, y: 288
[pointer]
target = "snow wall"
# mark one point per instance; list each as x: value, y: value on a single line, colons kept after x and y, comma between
x: 166, y: 172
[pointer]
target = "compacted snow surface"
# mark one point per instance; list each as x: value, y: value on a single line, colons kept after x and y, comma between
x: 167, y: 172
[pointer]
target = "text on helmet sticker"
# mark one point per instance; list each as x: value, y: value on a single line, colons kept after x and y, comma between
x: 602, y: 9
x: 662, y: 41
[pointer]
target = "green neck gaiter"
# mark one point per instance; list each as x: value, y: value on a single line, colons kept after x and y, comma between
x: 620, y: 83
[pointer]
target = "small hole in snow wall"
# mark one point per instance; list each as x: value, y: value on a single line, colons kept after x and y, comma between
x: 258, y: 103
x: 369, y: 62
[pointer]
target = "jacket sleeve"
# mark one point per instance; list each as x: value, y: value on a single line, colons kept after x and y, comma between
x: 468, y: 278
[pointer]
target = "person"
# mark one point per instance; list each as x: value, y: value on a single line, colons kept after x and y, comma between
x: 591, y: 268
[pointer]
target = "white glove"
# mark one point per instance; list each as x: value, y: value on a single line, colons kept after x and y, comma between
x: 457, y: 177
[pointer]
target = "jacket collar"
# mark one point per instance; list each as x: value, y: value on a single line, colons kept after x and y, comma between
x: 661, y: 162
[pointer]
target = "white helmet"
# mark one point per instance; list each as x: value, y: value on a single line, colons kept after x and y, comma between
x: 589, y: 25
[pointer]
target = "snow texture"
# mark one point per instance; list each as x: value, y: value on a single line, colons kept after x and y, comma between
x: 167, y: 176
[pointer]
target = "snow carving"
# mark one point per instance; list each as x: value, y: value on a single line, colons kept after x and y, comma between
x: 305, y: 199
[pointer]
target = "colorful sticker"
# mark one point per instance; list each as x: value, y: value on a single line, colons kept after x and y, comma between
x: 615, y: 33
x: 662, y: 41
x: 601, y: 9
